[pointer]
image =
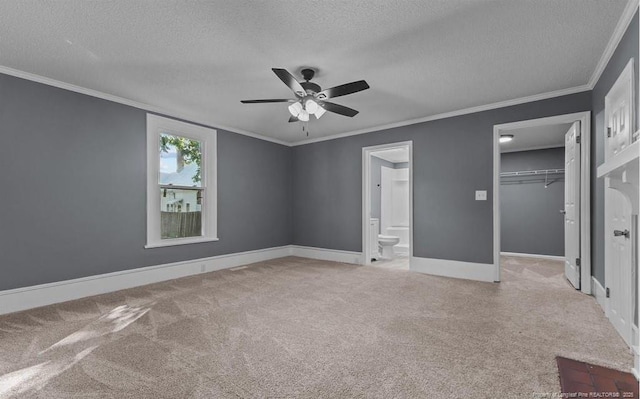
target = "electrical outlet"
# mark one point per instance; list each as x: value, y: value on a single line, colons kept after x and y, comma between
x: 481, y: 195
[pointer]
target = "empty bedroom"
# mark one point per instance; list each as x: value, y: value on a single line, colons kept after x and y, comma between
x: 302, y: 199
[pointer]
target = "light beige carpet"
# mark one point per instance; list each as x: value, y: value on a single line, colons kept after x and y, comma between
x: 296, y: 327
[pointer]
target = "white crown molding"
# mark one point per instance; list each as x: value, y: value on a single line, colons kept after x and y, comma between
x: 121, y: 100
x: 480, y: 108
x: 621, y: 27
x: 150, y: 108
x: 619, y: 31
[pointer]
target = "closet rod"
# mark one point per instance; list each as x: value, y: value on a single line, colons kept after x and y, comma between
x: 538, y: 172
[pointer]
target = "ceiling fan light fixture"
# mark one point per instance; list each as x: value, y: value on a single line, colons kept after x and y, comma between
x: 311, y: 106
x: 303, y: 116
x: 295, y: 108
x: 319, y: 112
x: 505, y: 138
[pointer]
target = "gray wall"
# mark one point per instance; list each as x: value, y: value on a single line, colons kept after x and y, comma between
x: 627, y: 48
x: 452, y: 158
x: 73, y: 178
x: 376, y: 184
x: 530, y: 218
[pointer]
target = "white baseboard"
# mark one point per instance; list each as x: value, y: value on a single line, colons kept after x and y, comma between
x: 549, y: 257
x: 636, y: 362
x: 46, y: 294
x: 453, y: 268
x: 401, y: 249
x: 327, y: 254
x: 599, y: 293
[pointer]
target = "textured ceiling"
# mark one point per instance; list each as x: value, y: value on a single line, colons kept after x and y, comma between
x: 198, y: 59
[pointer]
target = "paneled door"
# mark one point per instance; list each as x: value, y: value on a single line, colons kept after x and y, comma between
x: 572, y: 205
x: 618, y: 259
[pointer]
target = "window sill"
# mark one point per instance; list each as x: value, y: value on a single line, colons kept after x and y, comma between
x: 180, y: 241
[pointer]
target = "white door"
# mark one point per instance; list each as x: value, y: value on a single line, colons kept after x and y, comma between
x: 572, y: 205
x: 618, y: 260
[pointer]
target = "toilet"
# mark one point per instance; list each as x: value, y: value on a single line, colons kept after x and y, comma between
x: 387, y: 243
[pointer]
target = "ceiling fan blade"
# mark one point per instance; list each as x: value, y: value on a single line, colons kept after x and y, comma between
x: 343, y: 90
x: 293, y: 119
x: 290, y: 81
x: 270, y: 100
x: 339, y: 109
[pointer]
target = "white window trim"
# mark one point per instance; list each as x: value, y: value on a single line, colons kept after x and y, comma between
x: 208, y: 137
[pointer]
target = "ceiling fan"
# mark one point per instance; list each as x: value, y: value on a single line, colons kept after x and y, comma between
x: 310, y: 98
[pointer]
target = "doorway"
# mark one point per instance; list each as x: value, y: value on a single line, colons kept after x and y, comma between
x: 387, y: 204
x: 550, y: 154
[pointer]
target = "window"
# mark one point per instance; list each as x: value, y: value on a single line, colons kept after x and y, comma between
x: 181, y: 183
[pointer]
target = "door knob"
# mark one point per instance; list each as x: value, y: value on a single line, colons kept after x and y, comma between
x: 618, y: 233
x: 562, y: 211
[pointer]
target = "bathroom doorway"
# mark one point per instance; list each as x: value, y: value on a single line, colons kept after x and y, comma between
x: 387, y: 196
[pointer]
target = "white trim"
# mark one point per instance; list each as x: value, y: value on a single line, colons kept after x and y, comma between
x: 157, y: 125
x: 620, y: 161
x: 537, y: 256
x: 150, y: 108
x: 46, y: 294
x: 366, y: 197
x: 333, y: 255
x: 621, y: 27
x: 453, y: 268
x: 618, y: 33
x: 487, y: 107
x: 121, y: 100
x: 597, y: 290
x: 636, y: 362
x: 585, y: 184
x: 181, y: 241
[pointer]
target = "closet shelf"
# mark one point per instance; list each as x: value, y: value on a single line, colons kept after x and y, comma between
x: 546, y: 176
x: 536, y: 173
x: 627, y: 158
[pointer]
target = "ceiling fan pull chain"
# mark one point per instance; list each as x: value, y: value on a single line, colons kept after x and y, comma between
x: 305, y: 128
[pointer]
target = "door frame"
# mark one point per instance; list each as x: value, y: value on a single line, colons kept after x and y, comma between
x: 366, y: 196
x: 585, y: 187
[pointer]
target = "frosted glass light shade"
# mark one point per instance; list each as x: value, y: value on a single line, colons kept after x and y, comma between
x: 311, y: 106
x: 319, y: 112
x: 303, y: 116
x: 295, y: 108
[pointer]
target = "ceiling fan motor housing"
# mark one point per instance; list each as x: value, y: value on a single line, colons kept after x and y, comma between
x: 311, y: 88
x: 308, y: 74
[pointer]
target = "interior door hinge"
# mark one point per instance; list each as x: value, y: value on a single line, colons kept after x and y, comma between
x: 607, y: 292
x: 577, y: 261
x: 608, y: 132
x: 578, y: 139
